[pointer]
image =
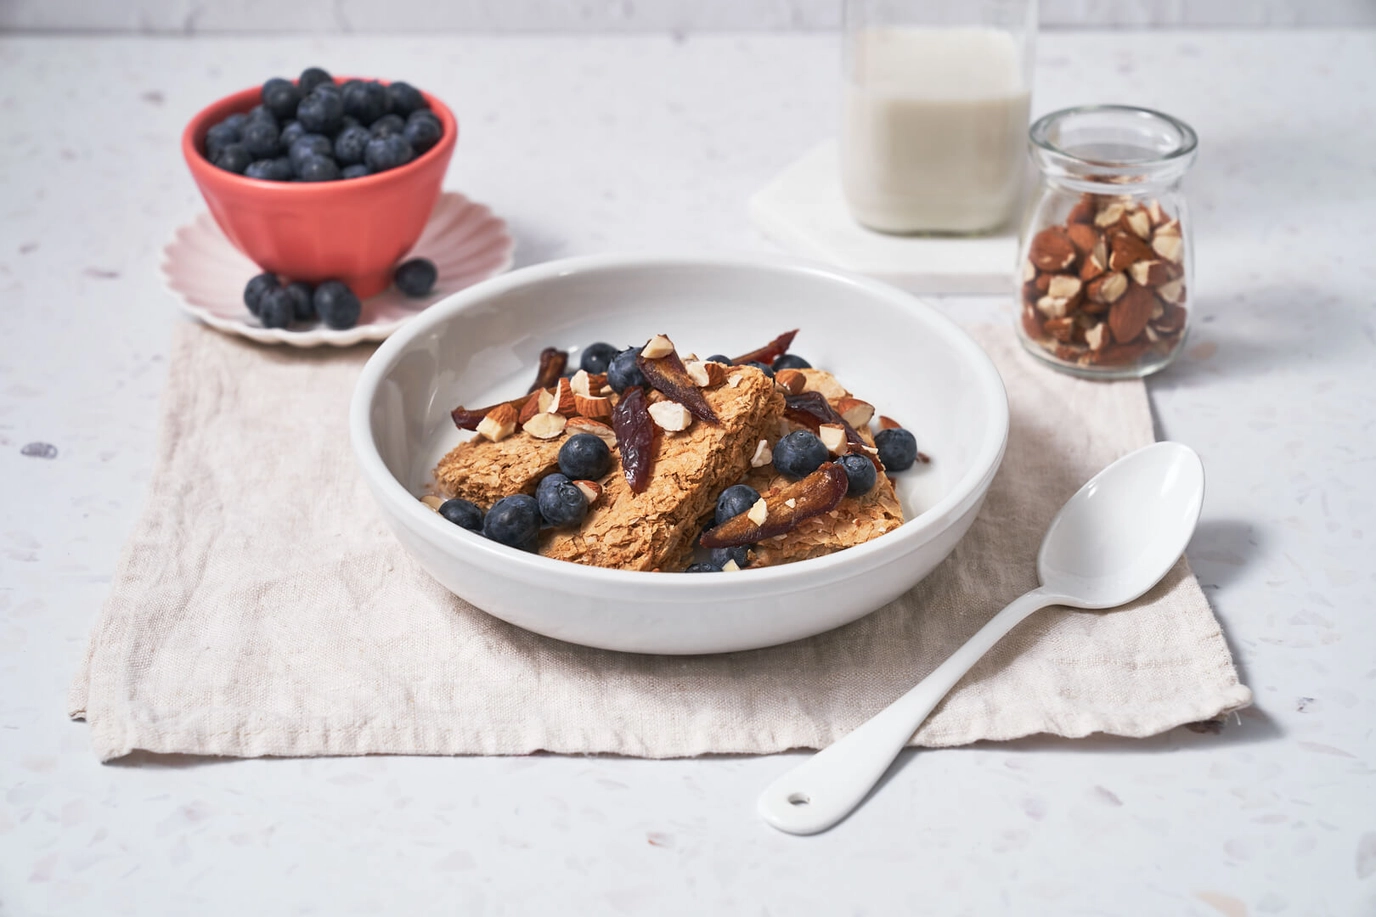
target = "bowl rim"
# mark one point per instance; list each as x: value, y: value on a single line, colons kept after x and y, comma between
x: 537, y: 569
x: 204, y: 170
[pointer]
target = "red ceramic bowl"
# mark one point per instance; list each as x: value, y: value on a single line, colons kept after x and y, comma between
x: 354, y: 230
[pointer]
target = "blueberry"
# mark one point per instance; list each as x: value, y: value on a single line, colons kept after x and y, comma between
x: 423, y: 133
x: 584, y: 457
x: 897, y: 449
x: 275, y: 309
x: 302, y: 302
x: 255, y: 288
x: 762, y: 368
x: 365, y: 101
x: 291, y: 132
x: 271, y: 85
x: 234, y: 158
x: 719, y: 358
x: 309, y: 145
x: 387, y: 124
x: 799, y: 454
x: 321, y: 112
x: 549, y: 482
x: 312, y: 77
x: 403, y: 98
x: 791, y: 361
x: 281, y: 98
x: 261, y: 140
x: 735, y: 500
x: 859, y: 472
x: 423, y: 114
x: 383, y: 153
x: 278, y: 169
x: 220, y: 136
x: 596, y: 357
x: 514, y: 521
x: 622, y: 371
x: 702, y: 568
x: 357, y: 170
x: 561, y: 503
x: 236, y: 121
x: 317, y: 168
x: 463, y: 514
x: 740, y: 554
x: 350, y: 144
x: 415, y: 277
x: 337, y: 305
x: 259, y: 114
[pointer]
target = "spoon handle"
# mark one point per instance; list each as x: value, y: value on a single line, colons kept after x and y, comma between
x: 825, y: 788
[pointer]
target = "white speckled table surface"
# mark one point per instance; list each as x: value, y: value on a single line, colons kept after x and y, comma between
x: 593, y: 144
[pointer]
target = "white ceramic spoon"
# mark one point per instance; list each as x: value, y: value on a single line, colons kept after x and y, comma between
x: 1109, y: 544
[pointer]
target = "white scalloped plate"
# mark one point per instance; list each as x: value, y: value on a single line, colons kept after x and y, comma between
x: 206, y: 273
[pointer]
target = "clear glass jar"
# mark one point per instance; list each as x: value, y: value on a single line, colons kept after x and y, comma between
x: 936, y: 101
x: 1105, y: 276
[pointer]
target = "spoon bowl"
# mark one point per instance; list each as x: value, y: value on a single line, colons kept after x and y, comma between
x: 1124, y: 529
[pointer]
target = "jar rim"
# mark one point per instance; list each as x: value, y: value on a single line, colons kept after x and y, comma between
x: 1185, y: 138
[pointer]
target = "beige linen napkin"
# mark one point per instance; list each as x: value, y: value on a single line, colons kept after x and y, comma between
x: 262, y: 607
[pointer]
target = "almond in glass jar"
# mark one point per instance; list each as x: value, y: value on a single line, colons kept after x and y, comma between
x: 1105, y: 265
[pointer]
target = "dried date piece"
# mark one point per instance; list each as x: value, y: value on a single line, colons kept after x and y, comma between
x: 769, y: 352
x: 668, y: 375
x: 818, y: 493
x: 635, y: 438
x: 466, y: 419
x: 552, y: 363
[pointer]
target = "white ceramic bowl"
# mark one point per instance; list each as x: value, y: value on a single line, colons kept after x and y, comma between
x: 482, y: 344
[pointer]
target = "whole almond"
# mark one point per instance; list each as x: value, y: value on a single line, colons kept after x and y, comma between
x: 791, y: 380
x: 1051, y: 250
x: 432, y: 501
x: 1129, y: 314
x: 1083, y: 236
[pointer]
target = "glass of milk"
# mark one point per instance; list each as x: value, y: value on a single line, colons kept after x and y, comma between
x: 933, y: 136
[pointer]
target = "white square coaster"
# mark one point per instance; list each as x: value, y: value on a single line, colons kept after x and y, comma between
x: 804, y: 211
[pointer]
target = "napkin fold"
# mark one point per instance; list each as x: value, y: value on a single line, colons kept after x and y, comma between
x: 261, y: 606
